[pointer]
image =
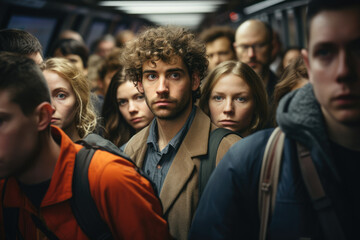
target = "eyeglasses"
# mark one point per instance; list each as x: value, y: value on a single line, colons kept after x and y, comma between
x: 256, y: 47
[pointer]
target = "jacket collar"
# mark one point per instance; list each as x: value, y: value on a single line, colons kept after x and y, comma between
x: 60, y: 188
x: 299, y: 115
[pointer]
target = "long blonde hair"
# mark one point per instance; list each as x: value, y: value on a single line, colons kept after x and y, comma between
x: 85, y: 118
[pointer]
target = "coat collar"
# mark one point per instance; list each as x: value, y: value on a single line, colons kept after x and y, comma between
x: 194, y: 144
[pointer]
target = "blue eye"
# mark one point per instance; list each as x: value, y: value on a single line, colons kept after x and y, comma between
x: 241, y: 99
x: 139, y: 97
x: 151, y: 77
x: 218, y: 98
x: 175, y: 75
x: 61, y: 95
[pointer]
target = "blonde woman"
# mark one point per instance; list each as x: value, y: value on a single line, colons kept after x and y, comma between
x: 70, y: 97
x: 235, y: 98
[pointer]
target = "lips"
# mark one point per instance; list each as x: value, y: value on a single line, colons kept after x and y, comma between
x: 53, y: 120
x: 252, y: 64
x: 346, y: 99
x: 228, y: 122
x: 163, y: 102
x: 136, y: 120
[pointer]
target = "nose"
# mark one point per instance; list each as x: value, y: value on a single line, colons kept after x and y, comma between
x: 132, y: 107
x: 162, y: 87
x: 251, y: 52
x: 228, y: 108
x: 345, y: 69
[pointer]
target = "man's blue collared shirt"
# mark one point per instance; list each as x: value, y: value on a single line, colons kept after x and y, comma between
x: 156, y: 163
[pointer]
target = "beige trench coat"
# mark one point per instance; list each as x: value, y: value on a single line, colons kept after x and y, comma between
x: 179, y: 194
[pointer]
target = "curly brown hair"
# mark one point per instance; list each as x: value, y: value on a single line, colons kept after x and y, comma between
x: 164, y: 43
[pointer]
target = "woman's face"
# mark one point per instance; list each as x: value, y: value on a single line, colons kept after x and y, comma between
x: 133, y: 107
x: 231, y: 104
x: 63, y: 100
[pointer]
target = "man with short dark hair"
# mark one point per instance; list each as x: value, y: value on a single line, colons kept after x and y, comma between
x: 253, y: 46
x: 21, y: 42
x: 37, y: 166
x: 219, y: 45
x: 323, y: 117
x: 167, y: 64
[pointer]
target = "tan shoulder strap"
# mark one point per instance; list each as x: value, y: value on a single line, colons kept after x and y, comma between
x: 329, y: 221
x: 269, y: 176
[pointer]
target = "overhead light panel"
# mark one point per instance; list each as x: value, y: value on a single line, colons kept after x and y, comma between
x: 158, y: 3
x: 168, y: 9
x: 164, y: 7
x: 182, y: 19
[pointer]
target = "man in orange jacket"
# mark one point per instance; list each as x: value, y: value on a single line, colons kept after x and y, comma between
x: 37, y: 164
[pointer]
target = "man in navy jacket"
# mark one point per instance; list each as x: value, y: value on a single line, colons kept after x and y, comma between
x: 324, y: 116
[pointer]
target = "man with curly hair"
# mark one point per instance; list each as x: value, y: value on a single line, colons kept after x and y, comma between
x: 167, y: 64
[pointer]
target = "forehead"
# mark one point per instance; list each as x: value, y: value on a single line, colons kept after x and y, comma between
x: 159, y: 65
x: 126, y: 90
x: 229, y: 83
x: 55, y: 81
x: 335, y: 26
x: 219, y: 43
x: 251, y: 32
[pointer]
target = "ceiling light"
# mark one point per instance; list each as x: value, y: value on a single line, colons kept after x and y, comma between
x: 178, y: 19
x: 159, y: 3
x: 168, y: 9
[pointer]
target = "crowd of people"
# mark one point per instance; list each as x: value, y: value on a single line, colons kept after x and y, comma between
x: 157, y: 96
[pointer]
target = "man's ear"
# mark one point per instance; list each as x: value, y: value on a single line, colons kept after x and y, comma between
x: 195, y: 83
x: 140, y: 87
x: 305, y: 55
x: 44, y: 113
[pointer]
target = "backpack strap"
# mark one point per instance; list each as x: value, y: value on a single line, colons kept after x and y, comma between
x: 207, y: 165
x: 82, y: 203
x: 322, y: 204
x: 269, y: 177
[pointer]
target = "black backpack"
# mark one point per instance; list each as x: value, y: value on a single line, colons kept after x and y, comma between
x: 82, y: 203
x: 207, y: 164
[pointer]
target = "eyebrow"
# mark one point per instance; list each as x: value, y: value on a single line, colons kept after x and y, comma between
x: 167, y: 71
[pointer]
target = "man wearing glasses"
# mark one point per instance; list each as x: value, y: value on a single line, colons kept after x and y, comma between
x: 253, y: 40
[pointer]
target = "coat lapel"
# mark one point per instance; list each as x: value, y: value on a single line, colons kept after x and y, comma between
x: 181, y: 171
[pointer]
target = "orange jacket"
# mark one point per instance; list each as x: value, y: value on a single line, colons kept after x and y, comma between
x: 125, y: 199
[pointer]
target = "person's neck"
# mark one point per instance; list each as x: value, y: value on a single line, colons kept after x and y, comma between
x: 265, y: 75
x: 344, y: 135
x: 168, y: 128
x: 43, y: 162
x: 73, y: 133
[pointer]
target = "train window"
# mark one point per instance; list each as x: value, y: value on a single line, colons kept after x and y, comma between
x: 96, y: 30
x: 40, y: 27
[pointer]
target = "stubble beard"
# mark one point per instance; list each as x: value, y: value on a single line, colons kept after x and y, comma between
x: 172, y: 112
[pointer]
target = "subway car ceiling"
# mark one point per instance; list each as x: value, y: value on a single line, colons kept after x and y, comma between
x: 46, y: 19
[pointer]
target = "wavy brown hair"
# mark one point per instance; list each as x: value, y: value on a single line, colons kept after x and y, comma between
x: 164, y: 43
x: 116, y: 129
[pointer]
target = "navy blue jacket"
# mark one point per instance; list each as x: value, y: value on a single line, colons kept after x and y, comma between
x: 228, y: 208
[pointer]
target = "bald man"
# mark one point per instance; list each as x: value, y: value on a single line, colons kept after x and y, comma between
x: 253, y: 45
